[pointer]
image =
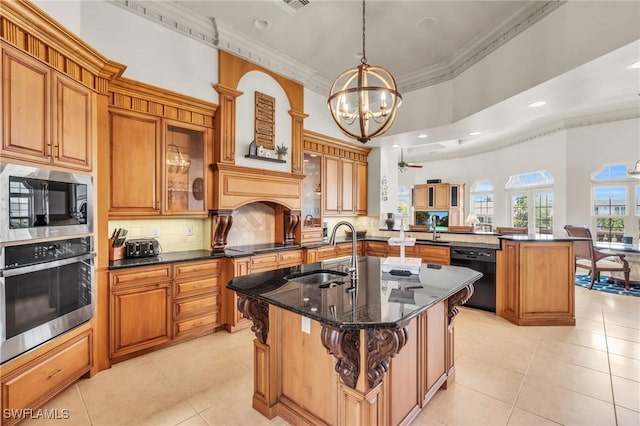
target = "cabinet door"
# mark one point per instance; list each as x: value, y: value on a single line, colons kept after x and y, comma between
x: 26, y: 128
x: 134, y: 159
x: 183, y: 164
x: 441, y: 200
x: 361, y: 186
x: 331, y: 186
x: 455, y: 195
x: 420, y: 197
x: 140, y: 318
x: 72, y: 123
x: 347, y: 187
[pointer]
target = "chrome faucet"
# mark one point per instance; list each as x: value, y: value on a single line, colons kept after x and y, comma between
x: 353, y: 267
x: 435, y: 235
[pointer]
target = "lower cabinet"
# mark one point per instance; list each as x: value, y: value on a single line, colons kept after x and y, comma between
x: 239, y: 266
x: 155, y: 305
x: 33, y: 384
x: 428, y: 253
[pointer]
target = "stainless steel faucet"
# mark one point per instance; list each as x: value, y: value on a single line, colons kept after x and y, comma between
x: 353, y: 267
x: 436, y: 234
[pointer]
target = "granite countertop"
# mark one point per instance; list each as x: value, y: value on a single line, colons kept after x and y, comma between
x: 384, y: 300
x: 539, y: 237
x: 629, y: 248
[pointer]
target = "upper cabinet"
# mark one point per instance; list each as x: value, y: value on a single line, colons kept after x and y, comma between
x: 441, y: 197
x: 48, y: 118
x: 438, y: 196
x: 344, y: 174
x: 158, y: 165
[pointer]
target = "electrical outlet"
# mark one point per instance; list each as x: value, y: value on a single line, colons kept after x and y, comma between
x: 155, y: 232
x: 306, y: 325
x: 189, y: 230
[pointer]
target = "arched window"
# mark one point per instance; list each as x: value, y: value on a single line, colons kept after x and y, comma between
x: 531, y: 196
x: 612, y: 209
x: 481, y: 197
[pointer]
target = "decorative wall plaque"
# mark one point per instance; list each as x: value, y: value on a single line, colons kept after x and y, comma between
x: 265, y: 118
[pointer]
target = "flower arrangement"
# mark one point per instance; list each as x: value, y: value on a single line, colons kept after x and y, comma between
x: 281, y: 151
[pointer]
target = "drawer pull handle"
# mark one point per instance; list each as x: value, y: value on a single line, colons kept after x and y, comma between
x: 55, y: 373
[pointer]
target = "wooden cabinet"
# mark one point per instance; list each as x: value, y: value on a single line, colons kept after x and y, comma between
x: 344, y: 187
x: 29, y: 386
x: 535, y: 283
x: 448, y: 197
x: 140, y: 309
x: 196, y: 298
x: 432, y: 254
x: 361, y: 185
x: 162, y: 173
x: 135, y: 173
x: 47, y: 117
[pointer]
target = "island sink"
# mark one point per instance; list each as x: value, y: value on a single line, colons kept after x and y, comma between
x: 318, y: 277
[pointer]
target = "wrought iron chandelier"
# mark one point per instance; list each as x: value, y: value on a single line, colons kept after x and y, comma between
x: 364, y: 100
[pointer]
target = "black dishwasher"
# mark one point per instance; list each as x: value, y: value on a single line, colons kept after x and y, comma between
x: 482, y: 260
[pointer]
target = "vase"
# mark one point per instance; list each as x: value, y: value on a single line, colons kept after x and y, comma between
x: 390, y: 222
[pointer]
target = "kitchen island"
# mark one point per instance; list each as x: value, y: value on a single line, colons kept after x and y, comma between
x: 337, y: 353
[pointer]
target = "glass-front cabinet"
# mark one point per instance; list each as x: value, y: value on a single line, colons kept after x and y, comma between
x: 184, y: 168
x: 312, y: 198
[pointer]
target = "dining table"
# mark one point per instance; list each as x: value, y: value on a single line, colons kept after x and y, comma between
x: 631, y: 254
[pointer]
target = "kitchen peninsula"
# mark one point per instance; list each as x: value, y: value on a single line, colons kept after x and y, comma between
x: 328, y: 352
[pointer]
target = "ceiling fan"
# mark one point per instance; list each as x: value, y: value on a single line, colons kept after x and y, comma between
x: 402, y: 165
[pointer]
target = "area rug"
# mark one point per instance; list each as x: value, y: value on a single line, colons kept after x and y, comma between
x: 603, y: 285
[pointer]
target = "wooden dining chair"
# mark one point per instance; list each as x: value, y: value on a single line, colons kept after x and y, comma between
x: 594, y: 260
x: 511, y: 230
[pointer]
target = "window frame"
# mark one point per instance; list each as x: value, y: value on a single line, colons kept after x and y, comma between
x: 531, y: 191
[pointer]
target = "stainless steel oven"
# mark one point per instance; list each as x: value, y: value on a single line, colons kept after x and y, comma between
x: 43, y: 203
x: 46, y: 289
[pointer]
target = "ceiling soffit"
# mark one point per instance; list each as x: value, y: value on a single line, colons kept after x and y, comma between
x: 172, y: 15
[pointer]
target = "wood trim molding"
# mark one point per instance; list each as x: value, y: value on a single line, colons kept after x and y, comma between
x: 382, y: 345
x: 29, y: 29
x: 141, y: 97
x: 460, y: 298
x: 344, y: 345
x: 322, y: 144
x: 258, y: 312
x: 226, y: 124
x: 220, y: 228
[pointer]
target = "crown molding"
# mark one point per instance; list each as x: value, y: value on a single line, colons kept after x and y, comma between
x: 528, y: 136
x: 172, y: 15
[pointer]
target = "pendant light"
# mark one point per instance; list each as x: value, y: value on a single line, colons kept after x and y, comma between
x: 636, y: 170
x: 363, y: 101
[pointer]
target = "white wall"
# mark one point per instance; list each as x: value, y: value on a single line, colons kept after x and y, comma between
x: 251, y: 82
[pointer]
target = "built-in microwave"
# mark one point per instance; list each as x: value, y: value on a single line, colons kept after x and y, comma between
x: 37, y: 202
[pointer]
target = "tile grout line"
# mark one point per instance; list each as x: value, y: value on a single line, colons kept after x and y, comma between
x: 84, y: 403
x: 606, y: 343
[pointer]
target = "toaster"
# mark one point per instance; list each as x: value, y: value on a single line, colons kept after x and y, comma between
x: 145, y: 247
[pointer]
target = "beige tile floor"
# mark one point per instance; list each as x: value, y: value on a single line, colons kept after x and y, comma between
x: 506, y: 375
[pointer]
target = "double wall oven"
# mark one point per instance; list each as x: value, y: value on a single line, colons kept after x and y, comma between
x: 46, y: 255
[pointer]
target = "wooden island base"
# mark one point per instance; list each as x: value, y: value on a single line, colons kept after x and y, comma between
x: 350, y: 377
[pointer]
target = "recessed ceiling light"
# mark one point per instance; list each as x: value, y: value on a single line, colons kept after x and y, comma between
x: 537, y: 104
x: 395, y: 145
x: 427, y: 23
x: 423, y: 136
x: 261, y: 24
x: 634, y: 66
x: 474, y: 133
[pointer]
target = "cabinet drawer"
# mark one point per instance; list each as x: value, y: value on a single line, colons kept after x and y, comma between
x: 197, y: 305
x: 326, y: 252
x: 197, y: 286
x: 433, y: 254
x: 310, y: 235
x: 140, y: 276
x: 190, y: 269
x: 287, y: 258
x: 194, y: 325
x: 37, y: 381
x: 343, y: 249
x: 264, y: 262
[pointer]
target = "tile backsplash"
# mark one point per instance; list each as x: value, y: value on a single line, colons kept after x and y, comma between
x: 173, y: 234
x: 252, y: 224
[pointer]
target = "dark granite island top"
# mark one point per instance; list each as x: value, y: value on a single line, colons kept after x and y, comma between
x: 384, y: 300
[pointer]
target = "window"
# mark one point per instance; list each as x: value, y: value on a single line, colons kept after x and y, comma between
x: 403, y: 206
x: 612, y: 208
x: 537, y: 216
x: 482, y: 202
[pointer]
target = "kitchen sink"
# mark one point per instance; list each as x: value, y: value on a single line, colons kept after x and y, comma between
x: 316, y: 277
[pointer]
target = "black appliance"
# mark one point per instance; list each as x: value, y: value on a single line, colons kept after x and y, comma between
x: 46, y: 289
x: 484, y: 261
x: 146, y: 247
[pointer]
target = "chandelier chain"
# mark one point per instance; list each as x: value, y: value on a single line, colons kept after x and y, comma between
x: 364, y: 52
